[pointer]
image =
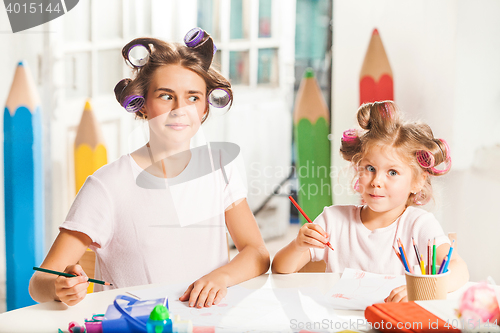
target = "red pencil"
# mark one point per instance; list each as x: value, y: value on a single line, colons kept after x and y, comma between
x: 305, y: 216
x: 429, y: 257
x: 399, y: 256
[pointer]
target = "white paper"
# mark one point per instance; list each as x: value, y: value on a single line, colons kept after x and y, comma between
x: 246, y: 310
x: 357, y: 289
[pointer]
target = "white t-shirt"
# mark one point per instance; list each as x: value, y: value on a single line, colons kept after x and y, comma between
x: 146, y: 229
x: 355, y: 246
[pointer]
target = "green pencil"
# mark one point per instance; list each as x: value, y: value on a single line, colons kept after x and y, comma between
x: 434, y: 257
x: 69, y: 275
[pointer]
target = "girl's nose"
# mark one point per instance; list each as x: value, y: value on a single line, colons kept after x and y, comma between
x: 376, y: 182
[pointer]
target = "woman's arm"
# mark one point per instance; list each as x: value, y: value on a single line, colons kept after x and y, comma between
x: 252, y: 259
x: 67, y: 249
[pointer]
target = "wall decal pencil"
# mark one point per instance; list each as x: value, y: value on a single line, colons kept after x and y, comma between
x: 311, y: 120
x: 23, y: 179
x: 375, y: 79
x: 90, y: 151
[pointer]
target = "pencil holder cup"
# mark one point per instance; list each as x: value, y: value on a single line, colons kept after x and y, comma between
x: 427, y: 287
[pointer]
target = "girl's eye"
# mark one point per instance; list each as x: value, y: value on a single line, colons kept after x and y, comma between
x: 193, y: 99
x: 369, y: 168
x: 166, y: 97
x: 393, y: 173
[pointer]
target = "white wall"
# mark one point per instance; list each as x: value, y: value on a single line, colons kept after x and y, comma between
x: 444, y: 57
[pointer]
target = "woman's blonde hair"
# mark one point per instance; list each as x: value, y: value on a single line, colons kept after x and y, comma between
x: 381, y: 125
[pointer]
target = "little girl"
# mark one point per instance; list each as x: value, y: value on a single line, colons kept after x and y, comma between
x: 159, y: 214
x: 394, y: 163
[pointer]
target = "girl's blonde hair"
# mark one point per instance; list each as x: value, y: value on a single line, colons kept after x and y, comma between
x: 161, y: 54
x: 381, y: 125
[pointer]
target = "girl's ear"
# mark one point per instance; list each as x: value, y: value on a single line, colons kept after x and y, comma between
x: 420, y: 182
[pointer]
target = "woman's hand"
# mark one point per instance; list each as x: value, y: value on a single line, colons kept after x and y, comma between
x: 397, y: 295
x: 72, y: 290
x: 206, y: 291
x: 311, y: 235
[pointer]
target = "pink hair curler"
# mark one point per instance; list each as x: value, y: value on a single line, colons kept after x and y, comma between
x: 426, y: 159
x: 350, y: 135
x: 386, y: 111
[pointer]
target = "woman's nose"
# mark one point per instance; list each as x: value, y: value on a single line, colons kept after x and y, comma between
x: 178, y: 111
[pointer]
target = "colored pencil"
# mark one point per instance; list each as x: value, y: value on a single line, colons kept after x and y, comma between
x: 403, y: 259
x: 416, y: 250
x: 90, y: 151
x: 449, y: 257
x: 68, y: 275
x: 311, y: 120
x: 422, y: 264
x: 434, y: 257
x: 429, y: 257
x: 305, y: 216
x: 441, y: 268
x: 407, y: 259
x: 23, y: 186
x: 397, y: 254
x: 375, y: 78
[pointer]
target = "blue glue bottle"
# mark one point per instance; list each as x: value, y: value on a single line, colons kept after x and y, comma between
x: 159, y: 321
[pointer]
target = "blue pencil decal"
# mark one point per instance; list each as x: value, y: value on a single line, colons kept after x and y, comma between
x: 23, y: 187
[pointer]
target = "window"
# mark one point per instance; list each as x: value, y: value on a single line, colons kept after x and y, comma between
x: 93, y: 40
x: 247, y: 43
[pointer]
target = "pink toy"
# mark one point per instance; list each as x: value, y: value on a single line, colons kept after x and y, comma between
x: 479, y: 304
x: 73, y: 327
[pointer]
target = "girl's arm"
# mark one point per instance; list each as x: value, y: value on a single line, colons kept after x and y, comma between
x: 67, y: 249
x: 252, y: 259
x: 459, y: 273
x: 295, y: 255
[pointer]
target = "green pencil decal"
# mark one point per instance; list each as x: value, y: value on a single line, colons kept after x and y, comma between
x: 312, y: 126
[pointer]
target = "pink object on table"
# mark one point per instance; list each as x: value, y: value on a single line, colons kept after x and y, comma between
x: 479, y: 303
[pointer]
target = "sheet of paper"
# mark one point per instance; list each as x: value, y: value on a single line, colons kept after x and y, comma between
x: 357, y: 289
x: 257, y: 310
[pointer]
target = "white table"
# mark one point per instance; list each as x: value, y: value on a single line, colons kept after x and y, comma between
x: 48, y: 317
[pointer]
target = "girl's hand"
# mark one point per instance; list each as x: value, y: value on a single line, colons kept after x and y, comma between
x: 397, y: 295
x: 72, y: 290
x: 207, y: 291
x: 311, y: 235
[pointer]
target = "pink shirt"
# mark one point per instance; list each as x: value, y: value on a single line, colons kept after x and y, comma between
x: 357, y: 247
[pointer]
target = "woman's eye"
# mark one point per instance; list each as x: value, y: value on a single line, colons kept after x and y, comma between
x: 193, y: 99
x: 370, y: 168
x: 166, y: 97
x: 393, y: 173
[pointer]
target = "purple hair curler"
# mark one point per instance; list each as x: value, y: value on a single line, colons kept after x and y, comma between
x: 133, y: 103
x: 195, y: 37
x: 219, y: 97
x: 138, y: 55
